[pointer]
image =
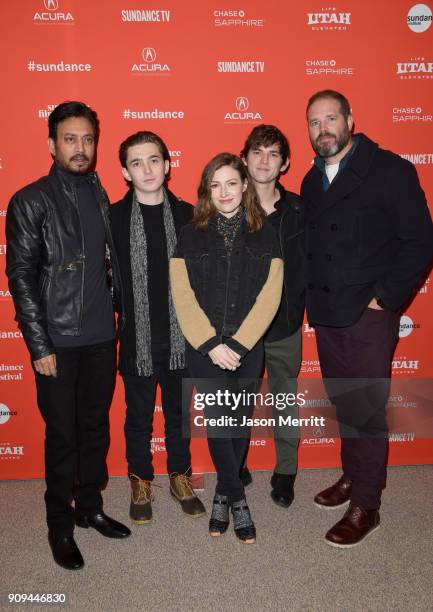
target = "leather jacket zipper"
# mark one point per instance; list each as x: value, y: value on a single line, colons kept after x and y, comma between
x: 83, y: 257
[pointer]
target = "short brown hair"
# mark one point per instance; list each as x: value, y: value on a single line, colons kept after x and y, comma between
x: 335, y: 95
x: 141, y: 138
x: 205, y: 208
x: 266, y: 136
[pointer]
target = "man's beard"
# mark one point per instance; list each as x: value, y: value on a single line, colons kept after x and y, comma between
x: 83, y: 170
x: 331, y: 147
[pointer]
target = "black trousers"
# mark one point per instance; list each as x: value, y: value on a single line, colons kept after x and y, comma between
x: 361, y: 351
x: 227, y: 452
x: 75, y: 407
x: 140, y: 394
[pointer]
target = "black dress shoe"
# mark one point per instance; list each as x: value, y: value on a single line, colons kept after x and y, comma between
x: 282, y: 489
x: 65, y: 552
x: 104, y: 524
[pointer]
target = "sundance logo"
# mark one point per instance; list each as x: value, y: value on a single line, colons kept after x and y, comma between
x: 10, y: 335
x: 241, y: 66
x: 418, y: 159
x: 407, y: 326
x: 417, y: 68
x: 5, y: 414
x: 151, y: 16
x: 329, y: 19
x: 11, y: 371
x: 242, y: 113
x: 51, y: 15
x: 150, y: 66
x: 419, y: 18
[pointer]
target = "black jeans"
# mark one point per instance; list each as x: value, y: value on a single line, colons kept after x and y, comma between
x: 227, y: 452
x: 363, y: 350
x: 75, y: 406
x: 140, y: 394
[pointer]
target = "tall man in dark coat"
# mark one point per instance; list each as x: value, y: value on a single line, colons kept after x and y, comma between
x: 369, y: 241
x: 58, y: 236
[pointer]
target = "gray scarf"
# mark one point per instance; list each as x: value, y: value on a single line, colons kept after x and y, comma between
x: 138, y: 252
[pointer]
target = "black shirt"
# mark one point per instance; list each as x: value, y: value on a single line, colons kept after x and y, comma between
x: 157, y: 278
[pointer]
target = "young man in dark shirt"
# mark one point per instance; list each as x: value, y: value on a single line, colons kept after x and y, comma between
x: 266, y: 154
x: 145, y: 227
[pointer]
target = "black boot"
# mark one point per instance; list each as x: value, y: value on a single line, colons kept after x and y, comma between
x: 282, y: 489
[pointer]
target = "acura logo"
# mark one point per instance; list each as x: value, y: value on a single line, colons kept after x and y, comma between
x: 51, y: 5
x: 148, y: 54
x: 242, y: 103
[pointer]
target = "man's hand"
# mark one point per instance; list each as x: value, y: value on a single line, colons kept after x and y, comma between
x: 373, y: 304
x: 46, y: 365
x: 224, y: 357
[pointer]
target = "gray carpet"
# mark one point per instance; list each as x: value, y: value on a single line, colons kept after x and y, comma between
x: 173, y: 565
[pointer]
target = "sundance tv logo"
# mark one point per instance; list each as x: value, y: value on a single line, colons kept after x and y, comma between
x: 50, y: 14
x: 418, y: 159
x: 243, y: 113
x: 419, y: 18
x: 329, y: 18
x: 145, y: 15
x: 417, y: 68
x: 149, y: 66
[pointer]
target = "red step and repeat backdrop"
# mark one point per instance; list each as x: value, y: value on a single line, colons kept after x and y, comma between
x: 202, y: 74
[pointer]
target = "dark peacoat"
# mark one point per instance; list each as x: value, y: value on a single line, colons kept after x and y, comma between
x: 369, y: 235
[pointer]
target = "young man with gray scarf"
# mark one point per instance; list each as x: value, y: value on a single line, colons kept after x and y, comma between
x: 145, y: 226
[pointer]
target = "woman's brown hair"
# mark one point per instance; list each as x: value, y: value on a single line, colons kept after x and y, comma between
x: 205, y: 209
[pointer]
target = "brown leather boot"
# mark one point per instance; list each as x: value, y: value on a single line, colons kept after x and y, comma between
x: 335, y: 496
x: 140, y: 510
x: 354, y: 527
x: 181, y: 491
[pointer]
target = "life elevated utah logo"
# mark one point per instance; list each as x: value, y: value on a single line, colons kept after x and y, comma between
x: 50, y: 14
x: 416, y: 68
x: 329, y: 18
x: 242, y: 112
x: 149, y: 65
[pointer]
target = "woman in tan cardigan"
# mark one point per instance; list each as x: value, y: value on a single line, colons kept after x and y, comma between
x: 226, y: 280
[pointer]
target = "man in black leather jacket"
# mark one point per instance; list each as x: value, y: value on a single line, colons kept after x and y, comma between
x: 266, y: 154
x: 58, y: 238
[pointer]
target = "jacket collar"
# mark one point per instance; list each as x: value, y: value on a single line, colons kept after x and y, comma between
x: 352, y: 176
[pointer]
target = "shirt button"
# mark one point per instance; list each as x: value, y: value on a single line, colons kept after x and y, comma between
x: 334, y: 227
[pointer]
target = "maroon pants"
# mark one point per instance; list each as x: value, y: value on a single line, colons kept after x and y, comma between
x: 361, y: 351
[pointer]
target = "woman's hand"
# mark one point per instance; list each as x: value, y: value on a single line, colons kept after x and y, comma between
x: 223, y: 357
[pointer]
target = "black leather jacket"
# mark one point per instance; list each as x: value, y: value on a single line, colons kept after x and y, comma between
x: 45, y: 259
x: 226, y: 288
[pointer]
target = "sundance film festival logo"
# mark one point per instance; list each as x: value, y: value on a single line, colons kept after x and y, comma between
x: 175, y: 158
x: 145, y: 15
x: 157, y: 445
x: 11, y: 371
x: 413, y: 114
x: 308, y: 331
x: 419, y: 18
x: 417, y: 68
x: 237, y: 18
x: 51, y: 15
x: 327, y: 67
x: 243, y: 113
x: 10, y: 335
x: 407, y: 326
x: 44, y: 113
x: 329, y: 18
x: 149, y: 65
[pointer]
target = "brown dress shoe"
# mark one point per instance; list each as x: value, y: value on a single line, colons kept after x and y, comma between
x: 335, y: 496
x: 140, y: 510
x: 353, y: 528
x: 181, y: 491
